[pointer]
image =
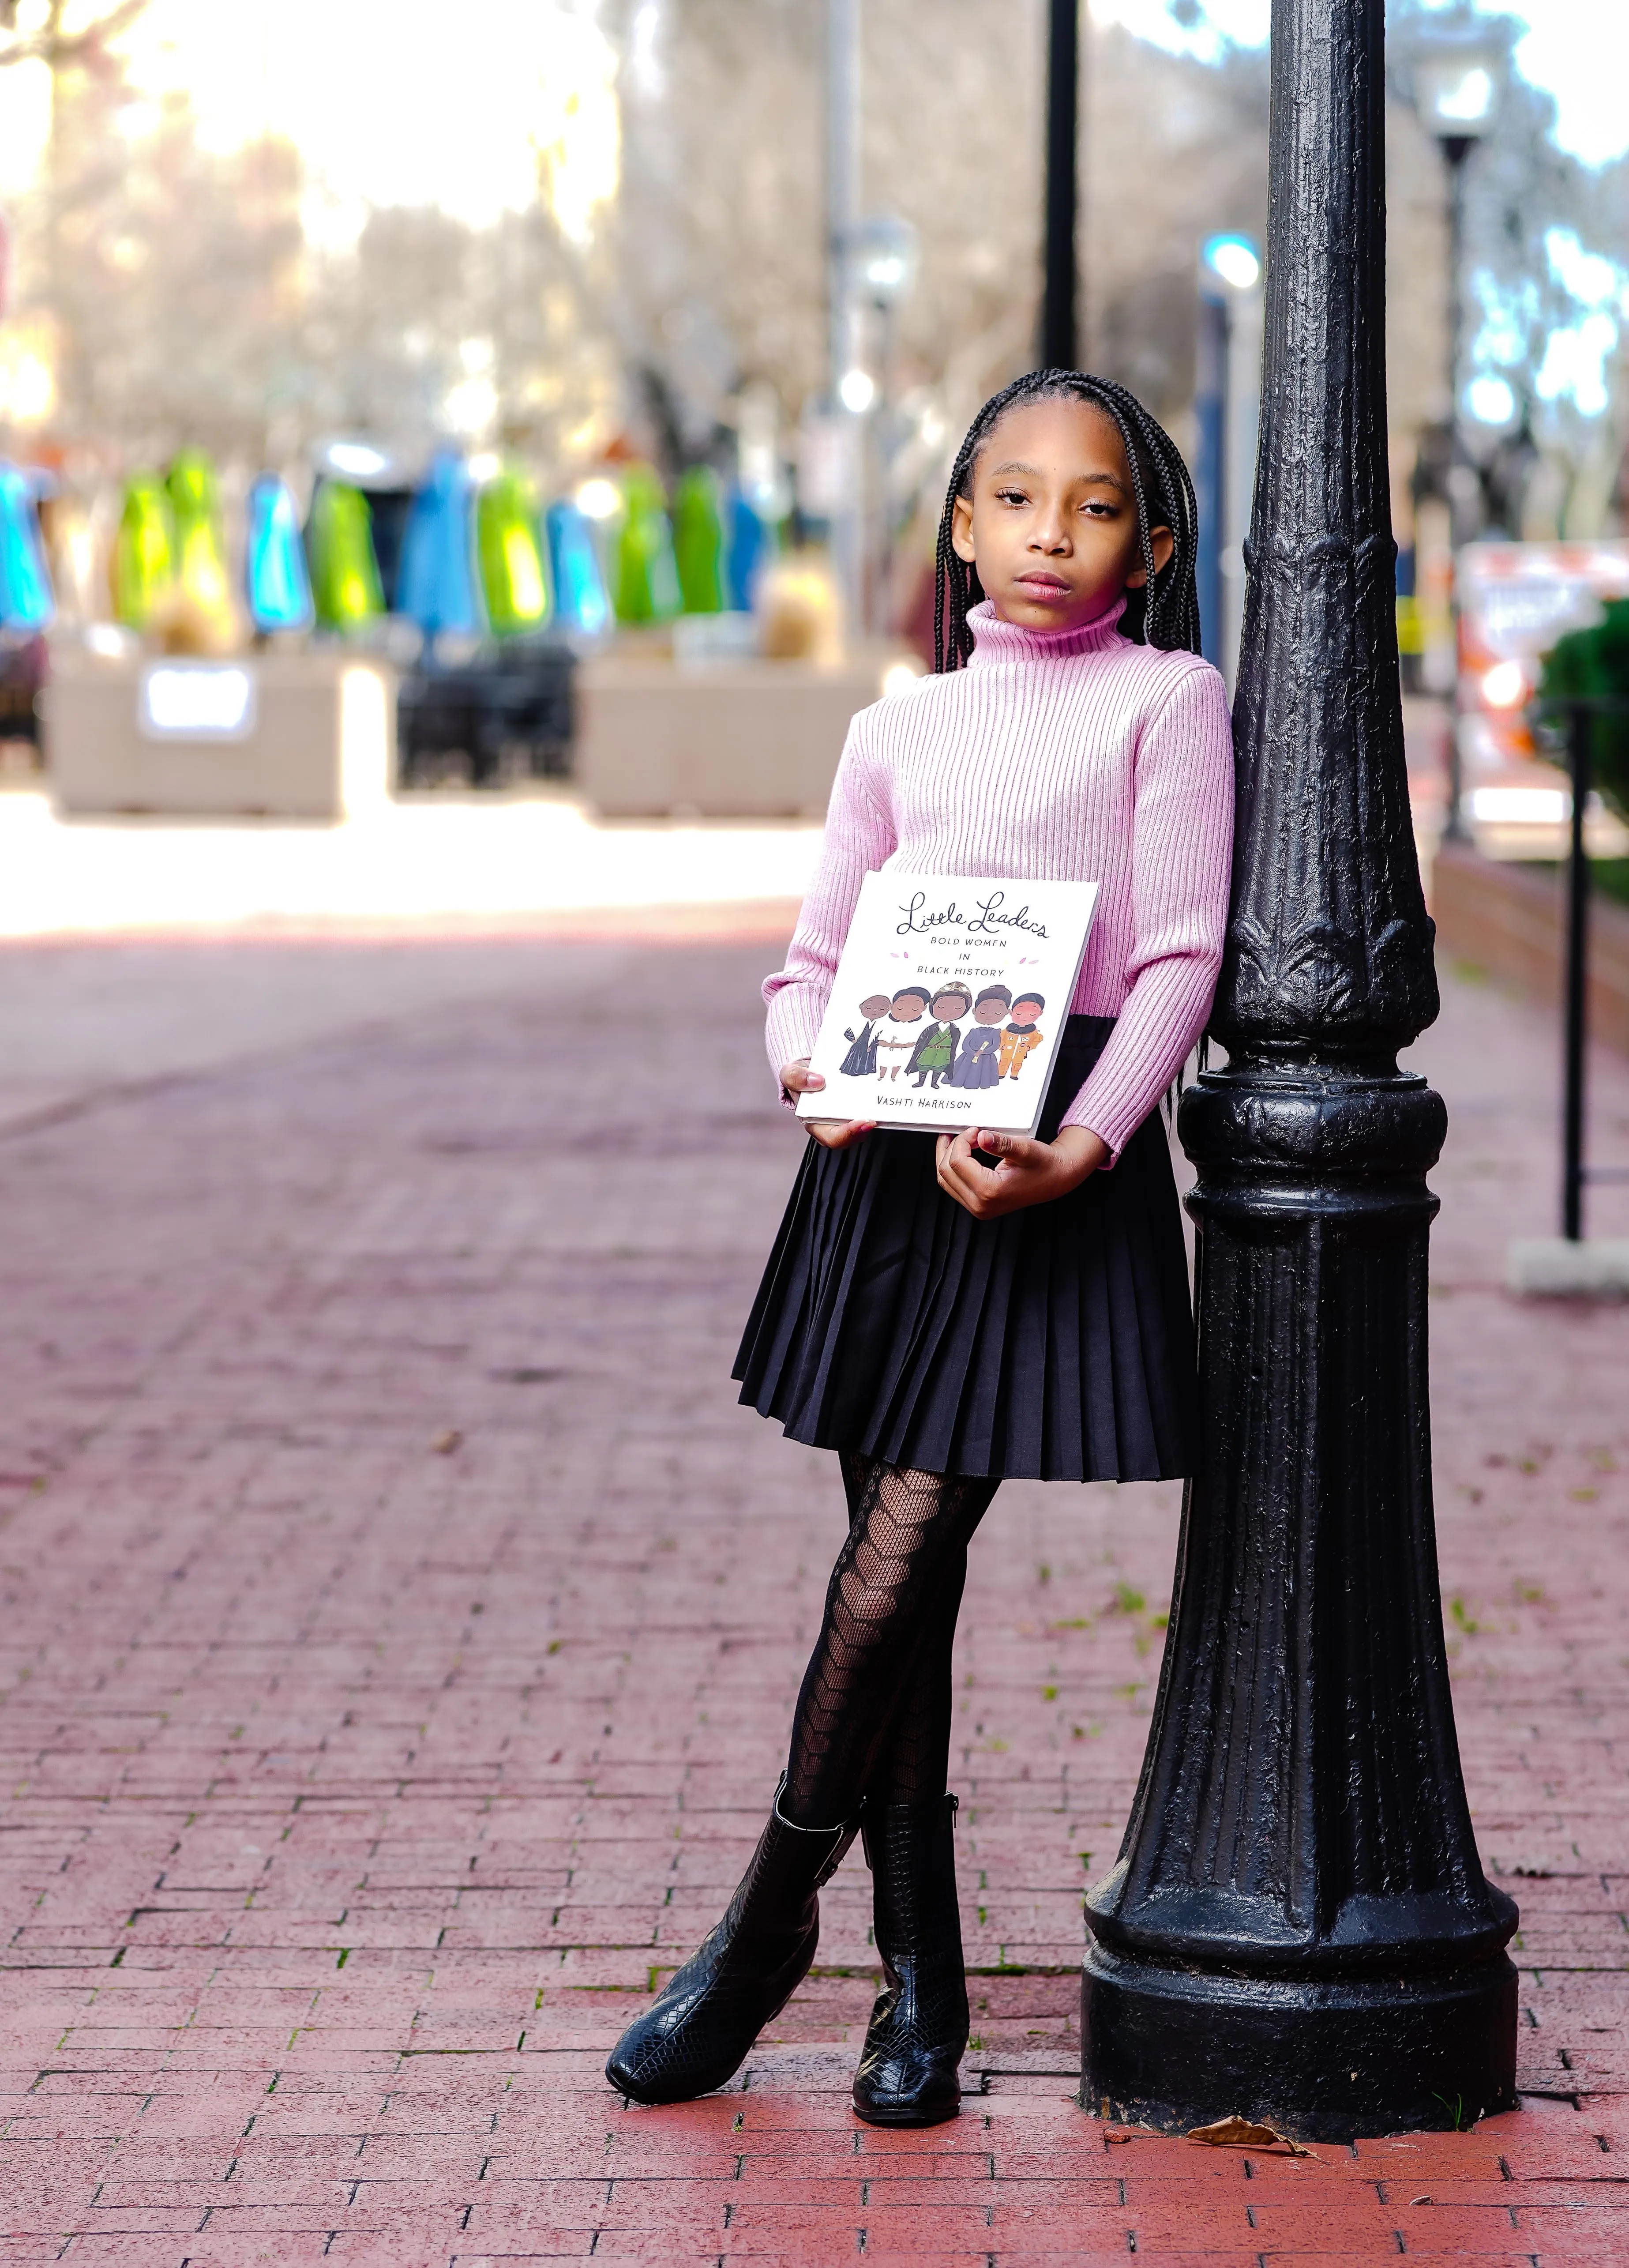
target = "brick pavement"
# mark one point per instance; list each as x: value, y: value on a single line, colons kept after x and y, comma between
x: 402, y: 1622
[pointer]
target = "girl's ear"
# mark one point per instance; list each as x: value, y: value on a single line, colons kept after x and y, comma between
x: 1165, y: 544
x: 961, y: 530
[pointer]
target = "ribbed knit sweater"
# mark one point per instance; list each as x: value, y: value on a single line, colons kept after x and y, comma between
x: 1062, y: 755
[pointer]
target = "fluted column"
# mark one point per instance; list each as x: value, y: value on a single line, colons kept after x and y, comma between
x: 1298, y: 1927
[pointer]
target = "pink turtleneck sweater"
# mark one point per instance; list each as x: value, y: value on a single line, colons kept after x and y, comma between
x: 1065, y: 755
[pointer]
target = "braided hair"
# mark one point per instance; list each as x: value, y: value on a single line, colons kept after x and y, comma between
x: 1165, y: 612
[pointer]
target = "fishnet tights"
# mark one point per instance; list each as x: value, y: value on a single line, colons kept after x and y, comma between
x: 874, y: 1714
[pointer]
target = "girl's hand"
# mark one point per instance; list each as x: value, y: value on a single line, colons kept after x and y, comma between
x: 1027, y: 1174
x: 831, y: 1133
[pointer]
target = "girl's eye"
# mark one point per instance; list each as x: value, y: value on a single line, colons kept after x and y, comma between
x: 1011, y: 495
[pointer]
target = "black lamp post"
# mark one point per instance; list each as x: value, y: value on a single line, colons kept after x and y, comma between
x: 1058, y: 342
x: 1298, y: 1928
x: 1454, y: 84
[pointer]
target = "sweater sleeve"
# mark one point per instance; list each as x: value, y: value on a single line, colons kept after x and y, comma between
x: 859, y: 836
x: 1182, y: 848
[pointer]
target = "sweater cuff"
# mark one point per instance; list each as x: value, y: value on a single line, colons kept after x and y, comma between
x: 1106, y: 1116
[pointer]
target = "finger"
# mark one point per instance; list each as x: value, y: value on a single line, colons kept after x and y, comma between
x: 964, y: 1179
x: 839, y: 1133
x: 1012, y: 1149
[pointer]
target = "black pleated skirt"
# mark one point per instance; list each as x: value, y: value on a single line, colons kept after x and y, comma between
x: 1055, y: 1344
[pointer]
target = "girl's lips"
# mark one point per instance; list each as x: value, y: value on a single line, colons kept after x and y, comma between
x: 1044, y: 586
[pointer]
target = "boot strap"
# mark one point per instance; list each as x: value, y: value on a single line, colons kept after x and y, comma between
x: 840, y: 1836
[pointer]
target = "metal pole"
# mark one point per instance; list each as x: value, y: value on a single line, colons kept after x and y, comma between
x: 1297, y: 1927
x: 1579, y: 725
x: 1239, y: 482
x: 1456, y: 149
x: 842, y: 213
x: 1211, y: 467
x: 1063, y: 68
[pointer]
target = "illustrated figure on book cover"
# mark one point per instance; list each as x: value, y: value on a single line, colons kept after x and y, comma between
x: 894, y: 1044
x: 860, y: 1060
x: 1021, y: 1036
x: 934, y: 1052
x: 975, y: 1064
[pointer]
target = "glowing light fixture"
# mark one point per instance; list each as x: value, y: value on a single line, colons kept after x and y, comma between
x: 882, y: 258
x: 1505, y: 685
x: 599, y: 499
x: 856, y: 391
x: 1235, y: 260
x: 1457, y: 93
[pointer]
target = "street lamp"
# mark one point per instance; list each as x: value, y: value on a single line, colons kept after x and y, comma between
x: 1226, y: 403
x: 1297, y: 1927
x: 877, y: 268
x: 1454, y: 82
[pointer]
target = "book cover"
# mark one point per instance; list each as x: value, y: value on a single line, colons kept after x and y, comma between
x: 950, y: 997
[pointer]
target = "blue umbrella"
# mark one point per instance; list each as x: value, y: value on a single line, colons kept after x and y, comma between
x: 26, y: 600
x: 750, y: 543
x: 574, y: 567
x: 279, y: 581
x: 437, y: 583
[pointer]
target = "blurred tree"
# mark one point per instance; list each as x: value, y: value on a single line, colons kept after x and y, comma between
x: 1593, y: 665
x: 720, y: 223
x: 63, y: 37
x: 1545, y: 295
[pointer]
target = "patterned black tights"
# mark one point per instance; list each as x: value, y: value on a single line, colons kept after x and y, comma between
x: 874, y: 1714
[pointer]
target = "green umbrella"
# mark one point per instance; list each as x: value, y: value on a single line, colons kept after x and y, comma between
x: 647, y: 579
x: 143, y: 551
x: 506, y: 544
x: 698, y: 540
x: 201, y: 544
x: 344, y: 571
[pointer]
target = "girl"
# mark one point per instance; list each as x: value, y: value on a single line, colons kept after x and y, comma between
x: 944, y: 1312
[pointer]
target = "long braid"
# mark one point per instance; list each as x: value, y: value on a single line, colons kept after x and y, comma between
x: 1165, y: 612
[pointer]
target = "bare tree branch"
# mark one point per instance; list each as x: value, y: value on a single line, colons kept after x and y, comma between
x: 57, y: 48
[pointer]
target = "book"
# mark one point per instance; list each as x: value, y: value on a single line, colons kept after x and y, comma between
x: 952, y: 995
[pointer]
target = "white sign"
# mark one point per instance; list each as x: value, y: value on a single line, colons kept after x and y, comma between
x: 196, y: 701
x: 950, y: 997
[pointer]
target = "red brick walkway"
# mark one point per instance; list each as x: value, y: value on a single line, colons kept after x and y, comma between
x: 401, y: 1623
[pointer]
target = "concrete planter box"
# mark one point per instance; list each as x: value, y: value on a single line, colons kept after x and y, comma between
x: 278, y: 736
x: 1509, y: 920
x: 747, y: 740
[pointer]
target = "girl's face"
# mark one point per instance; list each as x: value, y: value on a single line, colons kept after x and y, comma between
x: 990, y: 1012
x: 877, y: 1006
x: 1052, y: 521
x: 909, y: 1008
x: 1024, y: 1011
x: 949, y: 1007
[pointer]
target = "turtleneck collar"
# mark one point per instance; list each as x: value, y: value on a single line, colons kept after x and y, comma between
x: 994, y: 640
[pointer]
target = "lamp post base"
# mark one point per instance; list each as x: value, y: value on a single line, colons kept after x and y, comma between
x: 1324, y: 2060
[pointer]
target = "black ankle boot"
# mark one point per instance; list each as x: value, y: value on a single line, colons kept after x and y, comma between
x: 697, y: 2034
x: 909, y: 2068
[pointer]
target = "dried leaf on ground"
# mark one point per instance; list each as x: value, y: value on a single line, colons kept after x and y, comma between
x: 1237, y: 2133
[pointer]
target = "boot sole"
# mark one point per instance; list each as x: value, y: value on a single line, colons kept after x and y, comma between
x: 877, y: 2117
